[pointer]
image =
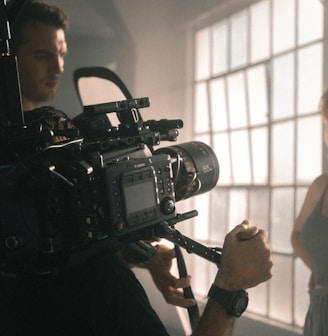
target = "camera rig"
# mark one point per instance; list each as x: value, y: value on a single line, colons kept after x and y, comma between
x: 98, y: 184
x: 113, y: 188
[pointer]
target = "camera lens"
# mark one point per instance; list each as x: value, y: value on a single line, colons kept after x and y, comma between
x: 195, y: 168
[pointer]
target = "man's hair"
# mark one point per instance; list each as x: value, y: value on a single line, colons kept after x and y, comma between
x: 33, y: 12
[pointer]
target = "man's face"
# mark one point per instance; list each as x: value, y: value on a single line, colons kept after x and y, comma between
x: 40, y: 63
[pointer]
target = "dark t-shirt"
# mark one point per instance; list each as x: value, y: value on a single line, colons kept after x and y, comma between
x: 94, y: 293
x: 100, y: 296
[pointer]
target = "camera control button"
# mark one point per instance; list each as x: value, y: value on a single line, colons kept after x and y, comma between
x: 114, y: 181
x: 120, y: 226
x: 168, y: 206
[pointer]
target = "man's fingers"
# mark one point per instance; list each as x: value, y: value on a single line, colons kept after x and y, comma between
x: 176, y: 298
x: 245, y: 231
x: 166, y: 252
x: 181, y: 283
x: 248, y: 233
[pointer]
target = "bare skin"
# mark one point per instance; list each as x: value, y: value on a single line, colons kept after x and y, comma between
x: 245, y: 262
x: 41, y: 64
x: 311, y: 200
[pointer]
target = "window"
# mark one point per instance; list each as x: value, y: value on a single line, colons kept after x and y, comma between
x: 257, y: 84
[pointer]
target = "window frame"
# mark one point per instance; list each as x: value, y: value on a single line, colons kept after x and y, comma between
x: 294, y: 188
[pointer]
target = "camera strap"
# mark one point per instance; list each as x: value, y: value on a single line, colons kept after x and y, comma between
x: 193, y: 311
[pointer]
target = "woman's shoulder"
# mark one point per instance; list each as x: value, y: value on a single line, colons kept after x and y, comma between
x: 322, y: 179
x: 320, y: 184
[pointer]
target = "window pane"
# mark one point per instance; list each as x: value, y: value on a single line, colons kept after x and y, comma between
x: 283, y: 25
x: 202, y: 220
x: 283, y: 86
x: 282, y: 219
x: 201, y: 108
x: 257, y: 95
x: 220, y: 48
x: 239, y: 38
x: 237, y: 100
x: 203, y: 138
x: 259, y: 200
x: 260, y: 31
x: 219, y: 218
x: 264, y: 76
x: 219, y: 112
x: 259, y: 299
x: 238, y: 200
x: 280, y: 304
x: 310, y: 71
x: 260, y: 159
x: 202, y: 54
x: 309, y: 148
x: 310, y: 20
x: 300, y: 197
x: 200, y: 280
x: 240, y: 157
x: 222, y: 151
x: 301, y: 304
x: 282, y: 153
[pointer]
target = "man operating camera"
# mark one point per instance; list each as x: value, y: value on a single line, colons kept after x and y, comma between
x: 99, y: 294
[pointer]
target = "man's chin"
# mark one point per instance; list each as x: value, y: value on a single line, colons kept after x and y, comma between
x: 50, y: 95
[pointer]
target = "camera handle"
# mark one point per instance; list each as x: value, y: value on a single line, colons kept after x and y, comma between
x: 193, y: 311
x: 167, y: 231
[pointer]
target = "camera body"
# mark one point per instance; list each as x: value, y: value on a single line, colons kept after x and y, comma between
x: 140, y: 193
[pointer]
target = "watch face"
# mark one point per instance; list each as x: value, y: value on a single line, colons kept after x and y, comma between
x: 241, y: 305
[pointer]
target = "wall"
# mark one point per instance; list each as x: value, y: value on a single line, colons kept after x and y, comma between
x: 160, y: 54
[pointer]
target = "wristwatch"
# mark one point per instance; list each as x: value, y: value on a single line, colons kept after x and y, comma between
x: 235, y: 303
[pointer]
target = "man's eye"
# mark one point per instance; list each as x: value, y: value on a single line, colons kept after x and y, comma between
x: 42, y: 55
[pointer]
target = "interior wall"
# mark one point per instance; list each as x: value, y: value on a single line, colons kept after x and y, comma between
x: 160, y: 56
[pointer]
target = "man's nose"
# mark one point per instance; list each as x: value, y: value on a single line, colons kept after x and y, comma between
x: 58, y: 65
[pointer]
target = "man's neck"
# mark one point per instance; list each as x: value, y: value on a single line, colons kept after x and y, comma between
x: 29, y: 105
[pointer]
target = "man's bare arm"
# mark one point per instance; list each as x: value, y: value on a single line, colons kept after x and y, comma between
x: 246, y: 262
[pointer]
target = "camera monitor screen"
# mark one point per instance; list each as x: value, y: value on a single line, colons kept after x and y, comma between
x: 140, y: 196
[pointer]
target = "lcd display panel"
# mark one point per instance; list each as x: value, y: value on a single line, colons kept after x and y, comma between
x: 139, y: 196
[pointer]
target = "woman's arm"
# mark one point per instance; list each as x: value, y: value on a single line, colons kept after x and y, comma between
x: 311, y: 200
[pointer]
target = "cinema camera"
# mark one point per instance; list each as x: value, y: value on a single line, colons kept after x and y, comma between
x: 102, y: 184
